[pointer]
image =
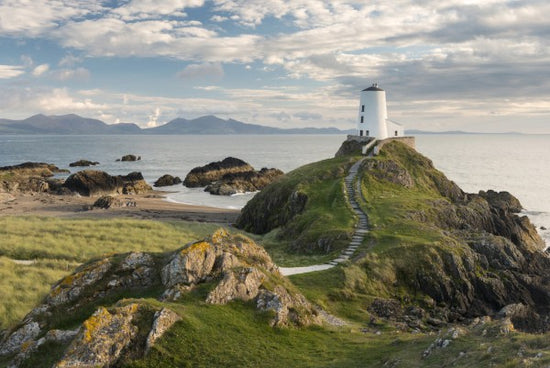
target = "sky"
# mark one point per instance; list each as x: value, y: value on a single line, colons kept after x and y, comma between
x: 445, y: 64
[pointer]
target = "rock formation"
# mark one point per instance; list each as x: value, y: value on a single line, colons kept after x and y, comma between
x: 203, y: 175
x: 129, y: 158
x: 106, y: 202
x: 466, y: 255
x: 28, y: 177
x: 83, y: 163
x: 233, y: 266
x: 242, y: 182
x: 94, y: 183
x: 167, y: 180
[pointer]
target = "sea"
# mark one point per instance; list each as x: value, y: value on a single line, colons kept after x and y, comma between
x: 511, y: 162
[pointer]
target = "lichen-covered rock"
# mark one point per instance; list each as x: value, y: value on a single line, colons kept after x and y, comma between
x: 203, y: 175
x: 167, y: 180
x: 241, y: 284
x: 102, y: 338
x: 15, y: 341
x: 190, y: 265
x: 163, y: 320
x: 289, y: 309
x: 70, y: 287
x: 98, y: 183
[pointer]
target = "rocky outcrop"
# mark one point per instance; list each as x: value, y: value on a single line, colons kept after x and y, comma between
x: 28, y: 177
x: 94, y: 183
x: 167, y: 180
x: 244, y: 272
x: 129, y: 158
x: 204, y: 175
x: 232, y: 267
x: 242, y: 182
x: 81, y: 163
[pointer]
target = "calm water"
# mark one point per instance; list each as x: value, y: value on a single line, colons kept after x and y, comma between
x: 516, y: 163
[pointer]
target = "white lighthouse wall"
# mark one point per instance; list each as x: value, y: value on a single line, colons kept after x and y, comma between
x: 373, y: 115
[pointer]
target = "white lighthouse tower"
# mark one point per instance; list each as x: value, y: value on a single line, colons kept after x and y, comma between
x: 373, y: 115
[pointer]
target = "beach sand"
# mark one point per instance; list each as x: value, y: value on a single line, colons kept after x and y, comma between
x: 147, y: 206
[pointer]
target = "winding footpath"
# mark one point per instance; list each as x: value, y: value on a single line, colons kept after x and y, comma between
x: 353, y: 189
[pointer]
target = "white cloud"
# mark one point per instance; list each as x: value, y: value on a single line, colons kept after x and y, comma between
x: 70, y: 60
x: 146, y: 9
x: 81, y: 74
x: 61, y: 100
x: 40, y: 69
x: 153, y: 119
x: 36, y: 17
x: 206, y: 70
x: 10, y: 71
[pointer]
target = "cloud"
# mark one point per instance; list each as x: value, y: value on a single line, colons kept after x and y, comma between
x: 206, y: 70
x: 153, y: 119
x: 35, y: 18
x: 146, y: 9
x: 40, y: 69
x: 70, y: 60
x: 61, y: 100
x: 10, y: 71
x: 81, y: 74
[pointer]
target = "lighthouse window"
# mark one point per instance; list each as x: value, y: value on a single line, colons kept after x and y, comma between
x: 360, y: 133
x: 396, y: 133
x: 362, y: 108
x: 362, y: 117
x: 367, y: 134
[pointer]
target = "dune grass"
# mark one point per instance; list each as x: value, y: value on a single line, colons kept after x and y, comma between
x: 57, y: 246
x: 78, y: 240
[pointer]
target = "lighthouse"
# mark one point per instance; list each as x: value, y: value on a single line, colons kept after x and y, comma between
x: 373, y: 119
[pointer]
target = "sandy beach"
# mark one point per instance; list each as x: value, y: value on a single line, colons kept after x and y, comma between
x: 147, y: 206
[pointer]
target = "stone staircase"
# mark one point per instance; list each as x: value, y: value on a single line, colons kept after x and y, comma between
x: 353, y: 189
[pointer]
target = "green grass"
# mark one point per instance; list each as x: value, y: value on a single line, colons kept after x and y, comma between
x: 322, y: 230
x: 78, y: 240
x: 59, y: 245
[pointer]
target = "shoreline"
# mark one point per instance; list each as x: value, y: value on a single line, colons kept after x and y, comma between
x: 152, y: 206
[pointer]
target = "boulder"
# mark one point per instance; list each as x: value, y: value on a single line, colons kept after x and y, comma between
x: 242, y: 182
x: 163, y: 320
x: 203, y: 175
x: 102, y: 338
x: 83, y: 163
x: 167, y: 180
x: 129, y: 158
x: 98, y: 183
x: 28, y: 177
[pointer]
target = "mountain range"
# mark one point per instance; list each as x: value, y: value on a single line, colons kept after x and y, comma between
x: 73, y: 124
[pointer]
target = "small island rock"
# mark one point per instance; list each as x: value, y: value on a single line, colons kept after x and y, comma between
x: 204, y: 175
x: 83, y: 163
x: 129, y: 158
x: 167, y: 180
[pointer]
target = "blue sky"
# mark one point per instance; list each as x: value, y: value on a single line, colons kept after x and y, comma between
x: 445, y: 64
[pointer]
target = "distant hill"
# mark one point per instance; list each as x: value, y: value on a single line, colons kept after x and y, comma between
x: 64, y: 124
x: 73, y: 124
